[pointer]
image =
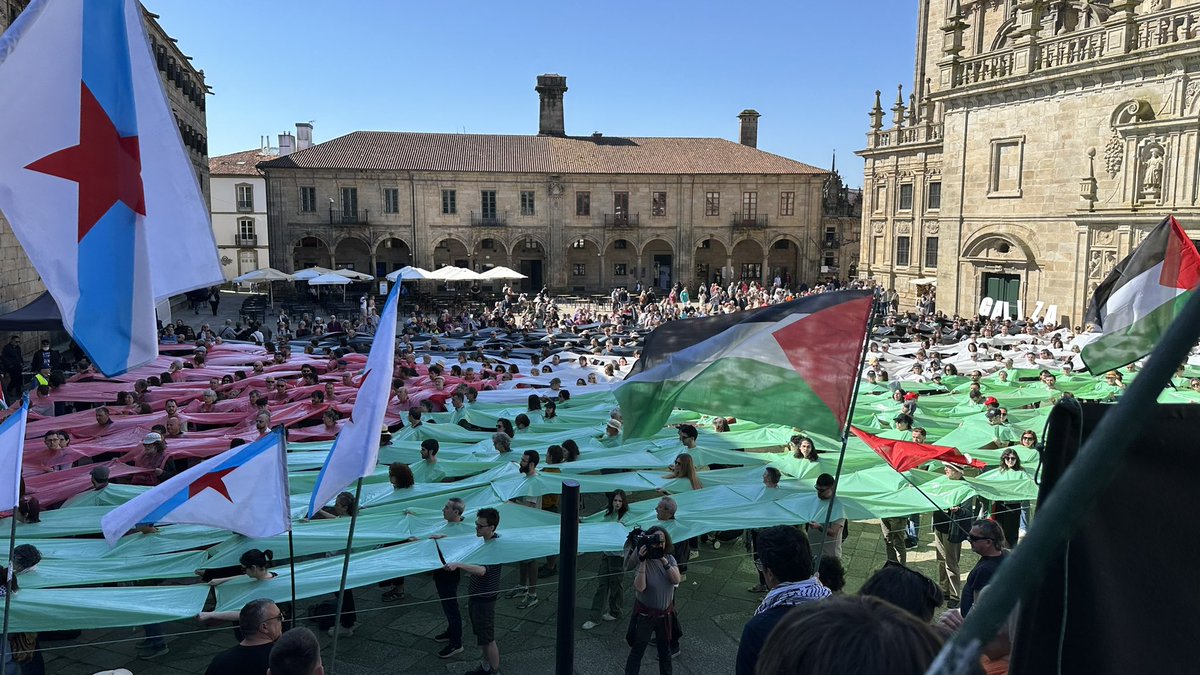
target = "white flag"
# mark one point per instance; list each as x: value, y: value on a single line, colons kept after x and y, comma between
x: 243, y: 489
x: 355, y: 451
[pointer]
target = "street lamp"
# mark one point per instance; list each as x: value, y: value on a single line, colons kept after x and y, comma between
x: 331, y: 210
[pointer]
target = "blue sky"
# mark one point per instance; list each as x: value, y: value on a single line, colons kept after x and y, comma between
x: 633, y: 68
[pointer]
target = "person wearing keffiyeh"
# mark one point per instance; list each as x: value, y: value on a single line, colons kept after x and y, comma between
x: 786, y: 562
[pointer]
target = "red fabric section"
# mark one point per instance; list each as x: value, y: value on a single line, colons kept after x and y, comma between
x: 52, y: 478
x: 905, y: 455
x: 1181, y: 268
x: 829, y: 367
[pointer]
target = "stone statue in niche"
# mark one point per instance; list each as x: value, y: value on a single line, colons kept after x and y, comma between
x: 1152, y: 173
x: 1094, y: 262
x: 1110, y: 261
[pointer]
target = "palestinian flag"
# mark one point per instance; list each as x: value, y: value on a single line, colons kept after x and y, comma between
x: 905, y: 455
x: 794, y: 363
x: 1141, y: 297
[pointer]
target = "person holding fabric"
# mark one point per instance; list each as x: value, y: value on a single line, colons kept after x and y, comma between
x: 446, y: 582
x: 527, y: 586
x: 786, y: 563
x: 1008, y: 514
x: 483, y: 590
x: 987, y: 540
x: 343, y: 505
x: 153, y: 458
x: 828, y: 541
x: 21, y: 654
x: 610, y: 579
x: 654, y: 601
x: 950, y: 529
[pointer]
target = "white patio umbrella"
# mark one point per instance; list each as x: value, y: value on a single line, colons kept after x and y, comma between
x: 449, y: 273
x: 351, y: 274
x: 330, y: 279
x: 408, y: 274
x: 311, y: 273
x: 503, y: 273
x: 267, y: 274
x: 263, y: 274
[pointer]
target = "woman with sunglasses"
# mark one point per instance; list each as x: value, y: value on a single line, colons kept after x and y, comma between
x: 1008, y: 514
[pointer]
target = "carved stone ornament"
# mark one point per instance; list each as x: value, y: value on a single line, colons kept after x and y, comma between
x: 878, y: 228
x: 1189, y: 94
x: 1105, y: 237
x: 1095, y: 260
x: 1114, y: 153
x: 903, y: 228
x: 556, y: 187
x: 932, y: 227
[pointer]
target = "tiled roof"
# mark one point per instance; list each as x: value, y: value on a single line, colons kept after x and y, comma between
x: 403, y: 151
x: 243, y: 163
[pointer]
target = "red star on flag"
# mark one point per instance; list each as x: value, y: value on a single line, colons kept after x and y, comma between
x: 107, y: 165
x: 214, y: 480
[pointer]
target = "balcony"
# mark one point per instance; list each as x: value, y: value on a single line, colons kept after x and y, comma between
x: 492, y: 219
x: 1146, y: 32
x: 746, y: 221
x: 619, y: 220
x: 249, y: 240
x: 349, y: 217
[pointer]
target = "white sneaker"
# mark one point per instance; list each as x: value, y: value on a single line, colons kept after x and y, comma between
x: 693, y: 554
x: 342, y: 631
x: 608, y: 617
x: 588, y: 625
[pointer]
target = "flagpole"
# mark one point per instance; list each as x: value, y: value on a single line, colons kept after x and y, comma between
x: 292, y: 569
x: 337, y: 615
x: 292, y: 549
x: 866, y: 343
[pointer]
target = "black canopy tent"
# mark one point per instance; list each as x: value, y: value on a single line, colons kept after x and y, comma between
x: 40, y: 315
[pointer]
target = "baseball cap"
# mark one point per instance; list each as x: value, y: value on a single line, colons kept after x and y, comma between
x: 152, y: 437
x: 614, y: 424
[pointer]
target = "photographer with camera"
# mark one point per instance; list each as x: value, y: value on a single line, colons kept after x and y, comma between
x: 654, y: 597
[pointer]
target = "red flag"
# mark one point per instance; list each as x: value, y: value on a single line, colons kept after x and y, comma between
x: 905, y: 455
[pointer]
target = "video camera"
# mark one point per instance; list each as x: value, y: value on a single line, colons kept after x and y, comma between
x: 651, y: 540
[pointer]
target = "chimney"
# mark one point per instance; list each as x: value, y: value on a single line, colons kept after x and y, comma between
x: 749, y: 118
x: 304, y: 135
x: 551, y: 88
x: 287, y: 144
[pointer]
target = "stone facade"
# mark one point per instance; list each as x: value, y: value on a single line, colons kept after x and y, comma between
x: 658, y: 210
x: 552, y: 244
x: 19, y: 281
x: 1054, y: 134
x: 239, y: 211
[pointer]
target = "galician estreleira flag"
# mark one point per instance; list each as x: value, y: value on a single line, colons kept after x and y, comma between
x: 243, y: 489
x: 1141, y: 297
x: 355, y: 451
x: 12, y: 449
x: 94, y: 178
x: 793, y: 363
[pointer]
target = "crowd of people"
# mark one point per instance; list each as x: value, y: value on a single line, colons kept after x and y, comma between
x: 212, y: 390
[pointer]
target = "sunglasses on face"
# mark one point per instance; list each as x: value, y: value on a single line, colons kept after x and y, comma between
x: 975, y: 537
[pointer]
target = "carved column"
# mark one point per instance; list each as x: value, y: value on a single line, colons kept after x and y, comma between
x: 1025, y: 36
x: 952, y: 46
x: 1120, y: 29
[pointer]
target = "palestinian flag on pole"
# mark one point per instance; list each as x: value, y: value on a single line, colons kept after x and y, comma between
x: 1141, y: 297
x: 794, y: 363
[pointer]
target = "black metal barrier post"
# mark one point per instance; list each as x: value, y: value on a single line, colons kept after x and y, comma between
x: 568, y: 550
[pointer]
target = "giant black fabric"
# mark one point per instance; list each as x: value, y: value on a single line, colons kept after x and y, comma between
x: 40, y: 315
x: 673, y: 336
x: 1123, y: 595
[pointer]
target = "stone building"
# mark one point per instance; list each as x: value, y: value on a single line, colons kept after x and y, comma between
x: 239, y: 210
x: 576, y: 213
x: 1039, y: 143
x: 19, y: 281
